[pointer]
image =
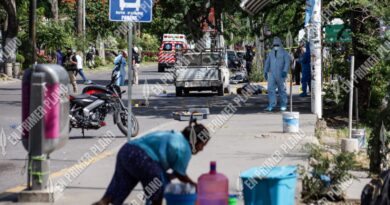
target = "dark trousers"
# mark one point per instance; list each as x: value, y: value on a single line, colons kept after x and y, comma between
x: 297, y: 74
x: 133, y: 165
x: 249, y: 67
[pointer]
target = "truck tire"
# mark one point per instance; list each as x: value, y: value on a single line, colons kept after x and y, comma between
x: 220, y: 90
x: 161, y: 68
x: 179, y: 91
x: 186, y: 92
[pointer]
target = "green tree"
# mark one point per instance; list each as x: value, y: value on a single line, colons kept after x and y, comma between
x: 11, y: 31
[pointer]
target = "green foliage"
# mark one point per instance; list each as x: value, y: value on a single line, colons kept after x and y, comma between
x: 122, y: 43
x: 150, y: 59
x: 256, y: 74
x: 52, y: 35
x: 97, y: 19
x: 98, y: 61
x: 110, y: 59
x: 147, y: 42
x: 20, y: 58
x: 325, y: 163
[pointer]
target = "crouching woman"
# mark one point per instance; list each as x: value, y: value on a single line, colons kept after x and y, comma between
x: 147, y: 160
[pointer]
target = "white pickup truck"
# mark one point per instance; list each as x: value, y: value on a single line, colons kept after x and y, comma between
x: 202, y: 71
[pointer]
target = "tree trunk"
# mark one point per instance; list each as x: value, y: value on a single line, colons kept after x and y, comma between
x: 79, y: 17
x: 100, y: 48
x: 11, y: 31
x: 54, y: 9
x: 364, y: 85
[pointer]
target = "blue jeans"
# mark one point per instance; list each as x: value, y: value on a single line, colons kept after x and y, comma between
x: 81, y: 72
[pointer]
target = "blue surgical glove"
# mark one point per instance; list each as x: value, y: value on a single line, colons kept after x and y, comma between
x: 284, y: 74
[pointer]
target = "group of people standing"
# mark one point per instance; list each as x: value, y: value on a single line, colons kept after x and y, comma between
x: 276, y: 68
x: 302, y: 65
x: 72, y: 61
x: 120, y: 65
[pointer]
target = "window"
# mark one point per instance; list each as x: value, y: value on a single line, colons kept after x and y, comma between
x: 167, y: 47
x: 179, y: 46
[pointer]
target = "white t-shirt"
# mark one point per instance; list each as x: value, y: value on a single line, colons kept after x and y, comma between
x: 79, y: 62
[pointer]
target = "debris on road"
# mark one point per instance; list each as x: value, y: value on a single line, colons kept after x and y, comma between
x: 253, y: 89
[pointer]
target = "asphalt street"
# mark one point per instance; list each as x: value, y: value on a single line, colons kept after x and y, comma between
x: 159, y: 95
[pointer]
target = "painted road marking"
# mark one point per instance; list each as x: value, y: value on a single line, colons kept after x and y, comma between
x: 90, y: 162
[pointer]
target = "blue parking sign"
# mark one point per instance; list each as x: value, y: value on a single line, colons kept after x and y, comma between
x: 131, y: 10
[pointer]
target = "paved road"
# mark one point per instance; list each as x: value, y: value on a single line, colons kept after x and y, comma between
x: 13, y: 159
x: 250, y: 121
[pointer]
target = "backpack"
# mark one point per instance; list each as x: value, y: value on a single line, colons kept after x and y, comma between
x: 136, y: 58
x: 377, y: 191
x: 68, y: 65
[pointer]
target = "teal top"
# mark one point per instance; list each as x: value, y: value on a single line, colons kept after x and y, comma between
x: 170, y: 149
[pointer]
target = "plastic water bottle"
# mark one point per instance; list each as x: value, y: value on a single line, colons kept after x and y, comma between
x: 213, y: 187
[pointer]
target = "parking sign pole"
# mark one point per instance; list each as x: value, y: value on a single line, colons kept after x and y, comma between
x: 130, y: 77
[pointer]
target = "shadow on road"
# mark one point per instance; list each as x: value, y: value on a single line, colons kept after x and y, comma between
x: 162, y: 107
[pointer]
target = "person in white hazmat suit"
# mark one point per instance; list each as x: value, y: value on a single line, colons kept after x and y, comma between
x: 276, y: 68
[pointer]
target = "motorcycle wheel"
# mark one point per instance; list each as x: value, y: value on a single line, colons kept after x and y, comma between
x: 121, y: 121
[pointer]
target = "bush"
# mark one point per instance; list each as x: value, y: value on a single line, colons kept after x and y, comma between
x: 110, y: 59
x: 147, y: 42
x: 150, y: 59
x: 98, y: 61
x: 327, y: 172
x: 20, y: 58
x: 256, y: 74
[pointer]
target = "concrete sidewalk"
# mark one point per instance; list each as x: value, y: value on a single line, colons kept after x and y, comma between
x: 245, y: 141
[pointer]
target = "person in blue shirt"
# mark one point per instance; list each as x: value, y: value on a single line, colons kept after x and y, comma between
x: 120, y: 64
x: 147, y: 160
x: 276, y: 68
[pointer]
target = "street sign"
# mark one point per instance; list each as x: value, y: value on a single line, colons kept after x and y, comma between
x: 131, y: 10
x: 337, y: 33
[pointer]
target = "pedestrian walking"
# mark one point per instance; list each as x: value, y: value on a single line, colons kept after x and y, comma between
x: 120, y: 65
x: 70, y: 63
x: 136, y: 65
x: 80, y: 71
x: 306, y: 71
x: 276, y: 68
x: 147, y: 160
x: 249, y: 56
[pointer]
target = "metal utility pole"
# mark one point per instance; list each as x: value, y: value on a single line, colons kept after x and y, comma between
x: 130, y: 77
x: 351, y: 96
x: 33, y: 29
x: 315, y: 38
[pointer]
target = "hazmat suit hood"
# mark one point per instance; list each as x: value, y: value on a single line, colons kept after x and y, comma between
x: 277, y: 41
